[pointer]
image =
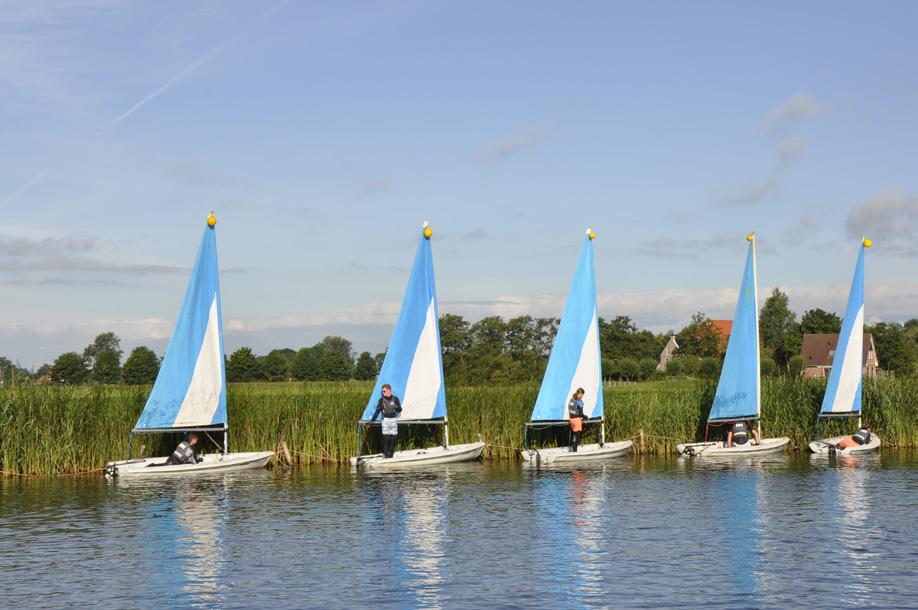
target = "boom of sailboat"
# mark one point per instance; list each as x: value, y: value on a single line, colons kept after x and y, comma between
x: 189, y: 394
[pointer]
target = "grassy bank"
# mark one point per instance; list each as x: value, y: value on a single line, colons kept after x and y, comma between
x: 55, y: 430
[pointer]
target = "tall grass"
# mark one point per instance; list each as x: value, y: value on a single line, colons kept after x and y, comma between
x: 54, y: 430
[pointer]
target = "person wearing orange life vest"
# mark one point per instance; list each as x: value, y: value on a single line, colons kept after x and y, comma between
x: 861, y: 437
x: 575, y: 416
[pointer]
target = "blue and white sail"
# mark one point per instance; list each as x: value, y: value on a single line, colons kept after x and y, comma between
x: 738, y: 393
x: 575, y: 360
x: 190, y: 390
x: 414, y: 365
x: 843, y: 392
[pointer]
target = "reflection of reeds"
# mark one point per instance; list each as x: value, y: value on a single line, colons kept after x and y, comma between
x: 48, y: 430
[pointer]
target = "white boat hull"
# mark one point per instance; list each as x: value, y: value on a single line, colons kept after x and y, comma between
x: 717, y: 449
x: 822, y: 446
x: 213, y: 462
x: 585, y: 453
x: 413, y: 458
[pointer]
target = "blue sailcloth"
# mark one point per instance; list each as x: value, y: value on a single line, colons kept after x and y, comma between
x: 843, y: 392
x: 413, y: 365
x: 738, y: 393
x: 574, y: 361
x: 190, y: 390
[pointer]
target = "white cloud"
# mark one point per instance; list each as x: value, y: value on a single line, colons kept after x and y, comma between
x: 514, y: 143
x: 890, y: 219
x: 369, y: 326
x: 798, y: 107
x: 789, y: 152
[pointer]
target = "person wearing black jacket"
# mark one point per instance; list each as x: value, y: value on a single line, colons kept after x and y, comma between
x: 389, y: 406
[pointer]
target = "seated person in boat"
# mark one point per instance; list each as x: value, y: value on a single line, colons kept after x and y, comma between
x: 740, y: 432
x: 861, y: 437
x: 389, y: 406
x: 186, y: 452
x: 575, y: 416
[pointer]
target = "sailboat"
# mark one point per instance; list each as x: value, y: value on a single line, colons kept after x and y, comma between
x: 574, y: 363
x: 413, y: 367
x: 844, y: 390
x: 739, y: 389
x: 189, y: 393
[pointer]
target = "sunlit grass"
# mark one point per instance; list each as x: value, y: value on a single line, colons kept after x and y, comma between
x: 53, y: 430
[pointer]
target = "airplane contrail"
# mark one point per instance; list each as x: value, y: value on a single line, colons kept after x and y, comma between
x: 25, y: 186
x: 168, y: 84
x: 152, y: 96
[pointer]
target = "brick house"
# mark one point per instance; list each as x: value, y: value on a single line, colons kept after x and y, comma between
x: 819, y: 349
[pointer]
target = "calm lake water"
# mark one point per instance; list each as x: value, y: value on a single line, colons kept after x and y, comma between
x: 777, y: 532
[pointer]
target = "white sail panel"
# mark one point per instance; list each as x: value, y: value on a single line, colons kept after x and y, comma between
x: 203, y: 396
x: 587, y: 374
x: 423, y: 386
x: 849, y: 381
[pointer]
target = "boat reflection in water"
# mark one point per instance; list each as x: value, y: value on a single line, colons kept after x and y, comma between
x: 412, y: 533
x: 184, y: 520
x: 586, y: 509
x: 849, y: 504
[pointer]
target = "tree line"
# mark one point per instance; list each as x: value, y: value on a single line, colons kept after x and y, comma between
x: 495, y: 350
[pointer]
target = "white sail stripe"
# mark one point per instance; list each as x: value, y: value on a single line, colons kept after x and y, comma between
x: 203, y: 395
x: 852, y: 367
x: 424, y: 380
x: 586, y: 375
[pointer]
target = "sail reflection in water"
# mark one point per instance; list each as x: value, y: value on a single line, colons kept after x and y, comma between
x: 412, y: 522
x: 848, y: 504
x: 586, y: 508
x: 186, y: 525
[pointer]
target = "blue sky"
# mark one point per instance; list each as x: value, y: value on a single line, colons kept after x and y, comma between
x: 322, y: 135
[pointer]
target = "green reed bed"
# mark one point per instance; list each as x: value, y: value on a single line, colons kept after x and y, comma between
x: 61, y: 430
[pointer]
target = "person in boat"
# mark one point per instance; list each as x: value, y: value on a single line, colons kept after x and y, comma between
x: 740, y: 432
x: 389, y: 406
x: 861, y: 437
x: 186, y: 452
x: 575, y: 416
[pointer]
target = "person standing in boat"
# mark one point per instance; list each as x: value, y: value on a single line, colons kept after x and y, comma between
x: 389, y: 406
x: 740, y: 432
x: 575, y: 416
x: 186, y: 452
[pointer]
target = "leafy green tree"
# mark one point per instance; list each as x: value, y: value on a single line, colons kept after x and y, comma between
x: 690, y: 365
x: 104, y: 342
x: 709, y: 367
x: 141, y: 366
x: 69, y: 368
x: 818, y: 321
x: 895, y: 352
x: 339, y: 345
x: 620, y: 338
x: 455, y: 341
x: 275, y: 366
x: 769, y: 368
x: 365, y: 369
x: 306, y: 364
x: 779, y: 332
x: 795, y: 366
x: 648, y: 368
x: 487, y: 360
x: 106, y: 368
x: 335, y: 367
x: 243, y: 366
x: 10, y: 372
x: 675, y: 368
x: 629, y: 369
x: 700, y: 337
